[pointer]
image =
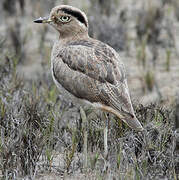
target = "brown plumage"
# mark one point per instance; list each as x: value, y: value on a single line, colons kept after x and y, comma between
x: 87, y: 68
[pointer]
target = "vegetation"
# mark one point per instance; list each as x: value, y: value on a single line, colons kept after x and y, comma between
x: 42, y: 134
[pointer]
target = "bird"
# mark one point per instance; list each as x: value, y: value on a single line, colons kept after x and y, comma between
x: 88, y: 69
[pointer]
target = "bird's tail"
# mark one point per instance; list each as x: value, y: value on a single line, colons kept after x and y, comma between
x: 132, y: 122
x: 128, y: 118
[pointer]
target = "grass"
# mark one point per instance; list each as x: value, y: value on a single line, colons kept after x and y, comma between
x: 141, y: 53
x: 30, y: 136
x: 41, y: 134
x: 149, y: 80
x: 168, y: 59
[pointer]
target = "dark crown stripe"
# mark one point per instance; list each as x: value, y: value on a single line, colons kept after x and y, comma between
x: 76, y: 14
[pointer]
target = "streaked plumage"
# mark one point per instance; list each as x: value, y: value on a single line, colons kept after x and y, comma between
x: 87, y: 68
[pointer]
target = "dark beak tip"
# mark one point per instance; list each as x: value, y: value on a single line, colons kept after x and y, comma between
x: 38, y: 20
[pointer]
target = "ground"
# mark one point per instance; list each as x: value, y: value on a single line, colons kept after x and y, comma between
x: 41, y: 131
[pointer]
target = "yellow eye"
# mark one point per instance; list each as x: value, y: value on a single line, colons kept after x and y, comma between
x: 65, y: 18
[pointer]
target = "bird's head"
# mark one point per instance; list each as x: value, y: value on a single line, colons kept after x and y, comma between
x: 67, y: 20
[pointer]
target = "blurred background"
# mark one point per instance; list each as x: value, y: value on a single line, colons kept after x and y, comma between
x: 41, y: 132
x: 145, y: 34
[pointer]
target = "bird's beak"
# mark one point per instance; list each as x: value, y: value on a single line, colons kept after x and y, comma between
x: 43, y: 20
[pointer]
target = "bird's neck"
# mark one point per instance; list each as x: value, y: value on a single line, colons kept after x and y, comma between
x: 73, y: 36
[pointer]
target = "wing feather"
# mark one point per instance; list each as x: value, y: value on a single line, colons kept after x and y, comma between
x: 85, y: 61
x: 99, y: 64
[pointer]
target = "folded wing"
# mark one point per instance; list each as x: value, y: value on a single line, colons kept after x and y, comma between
x: 95, y: 73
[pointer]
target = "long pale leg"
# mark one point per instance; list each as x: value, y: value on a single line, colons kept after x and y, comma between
x: 106, y: 135
x: 84, y: 126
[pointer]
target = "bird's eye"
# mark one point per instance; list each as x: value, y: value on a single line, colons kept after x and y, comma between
x: 65, y: 18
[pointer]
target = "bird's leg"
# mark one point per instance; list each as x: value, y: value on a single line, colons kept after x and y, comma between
x: 84, y: 127
x: 105, y: 135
